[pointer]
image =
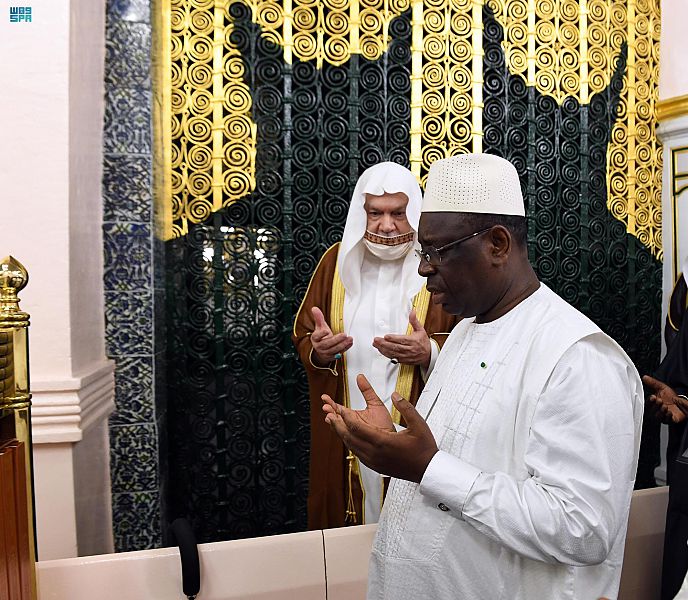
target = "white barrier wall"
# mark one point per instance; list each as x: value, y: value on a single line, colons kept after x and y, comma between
x: 315, y: 565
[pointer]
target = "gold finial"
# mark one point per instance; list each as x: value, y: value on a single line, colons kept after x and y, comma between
x: 13, y: 279
x: 13, y: 274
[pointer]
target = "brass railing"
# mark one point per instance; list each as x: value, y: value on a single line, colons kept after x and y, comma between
x: 17, y: 545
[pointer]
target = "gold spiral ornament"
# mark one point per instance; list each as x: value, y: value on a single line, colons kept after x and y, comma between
x: 201, y: 22
x: 178, y: 101
x: 200, y: 183
x: 208, y: 101
x: 199, y: 130
x: 237, y: 182
x: 200, y: 158
x: 238, y: 127
x: 434, y: 128
x: 199, y: 75
x: 201, y: 102
x: 198, y: 210
x: 233, y: 67
x: 270, y: 15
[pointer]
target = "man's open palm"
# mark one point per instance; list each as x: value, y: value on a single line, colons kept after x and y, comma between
x: 374, y: 415
x: 669, y: 406
x: 327, y: 347
x: 370, y: 434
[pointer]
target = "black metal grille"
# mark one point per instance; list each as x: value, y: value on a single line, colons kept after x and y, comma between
x: 238, y: 403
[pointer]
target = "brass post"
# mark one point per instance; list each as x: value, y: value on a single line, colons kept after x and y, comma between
x: 15, y: 397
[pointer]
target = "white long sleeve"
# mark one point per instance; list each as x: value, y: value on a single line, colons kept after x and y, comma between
x: 579, y: 452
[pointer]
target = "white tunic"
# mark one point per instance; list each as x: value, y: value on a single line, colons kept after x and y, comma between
x: 683, y: 592
x: 537, y: 416
x: 382, y: 310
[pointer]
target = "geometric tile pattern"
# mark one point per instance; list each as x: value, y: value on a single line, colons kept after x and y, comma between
x: 136, y: 520
x: 127, y: 256
x: 137, y: 11
x: 133, y: 391
x: 128, y: 55
x: 130, y: 254
x: 134, y: 458
x: 127, y: 188
x: 127, y: 127
x: 129, y: 328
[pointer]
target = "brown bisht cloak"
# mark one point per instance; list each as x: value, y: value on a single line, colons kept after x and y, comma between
x: 335, y: 495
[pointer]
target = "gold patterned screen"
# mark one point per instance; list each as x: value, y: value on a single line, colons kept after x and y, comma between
x: 271, y: 109
x: 212, y: 151
x: 564, y: 48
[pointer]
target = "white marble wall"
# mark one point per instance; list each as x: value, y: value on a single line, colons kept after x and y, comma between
x: 673, y: 49
x: 673, y: 132
x: 50, y: 177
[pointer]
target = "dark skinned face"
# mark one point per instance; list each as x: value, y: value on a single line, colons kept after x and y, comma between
x: 470, y: 281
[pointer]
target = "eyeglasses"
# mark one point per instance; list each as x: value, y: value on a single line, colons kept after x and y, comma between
x: 433, y: 255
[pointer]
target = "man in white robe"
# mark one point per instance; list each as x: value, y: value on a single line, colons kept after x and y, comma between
x: 513, y: 479
x: 366, y: 308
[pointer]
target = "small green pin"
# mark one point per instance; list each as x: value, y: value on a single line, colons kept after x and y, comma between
x: 483, y: 365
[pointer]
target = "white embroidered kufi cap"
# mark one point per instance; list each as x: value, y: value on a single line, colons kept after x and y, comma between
x: 473, y: 183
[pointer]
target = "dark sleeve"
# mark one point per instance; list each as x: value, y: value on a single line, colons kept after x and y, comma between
x: 675, y: 312
x: 673, y: 370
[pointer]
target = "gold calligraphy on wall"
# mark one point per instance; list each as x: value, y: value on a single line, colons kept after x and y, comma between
x: 564, y: 48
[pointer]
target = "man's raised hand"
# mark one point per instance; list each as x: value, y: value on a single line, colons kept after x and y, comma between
x: 327, y: 347
x: 375, y: 414
x: 371, y: 436
x: 412, y: 349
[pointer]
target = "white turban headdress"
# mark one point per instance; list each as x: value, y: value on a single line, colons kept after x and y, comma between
x: 390, y: 178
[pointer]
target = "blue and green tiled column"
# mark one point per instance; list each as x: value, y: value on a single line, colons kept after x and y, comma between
x: 129, y: 276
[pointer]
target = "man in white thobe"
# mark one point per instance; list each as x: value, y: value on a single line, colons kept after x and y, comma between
x: 514, y: 477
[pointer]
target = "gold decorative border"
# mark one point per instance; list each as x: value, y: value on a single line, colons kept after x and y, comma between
x: 353, y: 470
x: 672, y: 107
x: 679, y: 184
x: 421, y: 303
x: 630, y: 125
x: 416, y: 132
x: 477, y: 53
x: 337, y: 323
x: 162, y: 111
x: 634, y: 154
x: 564, y: 48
